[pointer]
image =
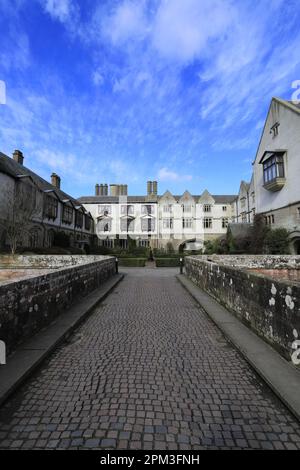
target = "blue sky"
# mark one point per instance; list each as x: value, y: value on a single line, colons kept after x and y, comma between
x: 122, y: 91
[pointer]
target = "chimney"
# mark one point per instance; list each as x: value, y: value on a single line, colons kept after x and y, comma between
x: 18, y: 157
x: 149, y: 188
x: 114, y: 190
x: 55, y: 180
x: 155, y: 188
x: 97, y: 190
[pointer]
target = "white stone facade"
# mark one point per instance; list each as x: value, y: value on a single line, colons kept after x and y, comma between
x: 181, y: 220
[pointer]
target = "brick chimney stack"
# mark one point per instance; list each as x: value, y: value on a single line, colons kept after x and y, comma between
x: 55, y: 180
x: 18, y: 157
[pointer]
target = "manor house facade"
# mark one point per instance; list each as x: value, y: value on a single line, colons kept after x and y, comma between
x: 186, y: 221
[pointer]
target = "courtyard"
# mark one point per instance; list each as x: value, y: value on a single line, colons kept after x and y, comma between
x: 147, y: 370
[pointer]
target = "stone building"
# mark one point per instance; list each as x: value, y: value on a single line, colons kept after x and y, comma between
x: 276, y: 169
x: 186, y: 221
x: 245, y: 203
x: 33, y: 211
x: 274, y: 191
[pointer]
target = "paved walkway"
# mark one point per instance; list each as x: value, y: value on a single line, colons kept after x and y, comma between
x: 147, y: 370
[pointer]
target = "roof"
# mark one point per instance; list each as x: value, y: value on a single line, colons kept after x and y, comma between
x: 291, y: 105
x: 14, y: 169
x: 295, y: 106
x: 219, y: 199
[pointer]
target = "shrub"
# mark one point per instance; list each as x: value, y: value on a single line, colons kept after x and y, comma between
x: 167, y: 262
x: 76, y: 251
x: 133, y: 262
x: 100, y: 250
x: 277, y: 242
x: 218, y: 246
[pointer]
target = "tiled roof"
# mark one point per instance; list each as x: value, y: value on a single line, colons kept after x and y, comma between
x: 15, y: 170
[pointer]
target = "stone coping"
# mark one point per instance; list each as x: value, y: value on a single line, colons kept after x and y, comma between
x: 253, y: 261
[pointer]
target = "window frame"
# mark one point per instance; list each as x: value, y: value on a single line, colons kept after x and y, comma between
x: 273, y: 168
x: 207, y: 208
x: 67, y: 214
x: 187, y: 223
x: 208, y: 223
x: 51, y: 207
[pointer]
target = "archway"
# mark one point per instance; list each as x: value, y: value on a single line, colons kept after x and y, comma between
x: 297, y: 246
x: 295, y: 243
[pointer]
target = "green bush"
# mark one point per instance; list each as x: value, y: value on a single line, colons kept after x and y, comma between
x: 167, y: 262
x: 277, y: 242
x: 218, y: 246
x: 139, y: 252
x: 133, y: 262
x: 76, y: 251
x: 192, y: 253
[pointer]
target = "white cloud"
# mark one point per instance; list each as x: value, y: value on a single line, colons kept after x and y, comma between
x: 59, y: 9
x: 165, y: 174
x: 98, y: 78
x: 182, y: 29
x: 126, y: 22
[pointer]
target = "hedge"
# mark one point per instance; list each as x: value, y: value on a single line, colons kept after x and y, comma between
x: 133, y: 262
x: 167, y: 262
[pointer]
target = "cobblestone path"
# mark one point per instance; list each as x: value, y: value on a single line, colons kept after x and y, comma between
x: 147, y: 370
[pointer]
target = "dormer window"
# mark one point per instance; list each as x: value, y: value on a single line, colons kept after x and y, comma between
x: 275, y: 129
x: 273, y: 170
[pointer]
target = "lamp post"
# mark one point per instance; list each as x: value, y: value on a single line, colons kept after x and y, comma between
x: 181, y: 265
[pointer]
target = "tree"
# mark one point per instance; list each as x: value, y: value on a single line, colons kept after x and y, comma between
x: 260, y: 232
x: 21, y: 212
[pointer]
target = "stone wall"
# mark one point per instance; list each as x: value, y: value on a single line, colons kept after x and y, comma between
x: 30, y: 304
x: 46, y: 261
x: 270, y: 306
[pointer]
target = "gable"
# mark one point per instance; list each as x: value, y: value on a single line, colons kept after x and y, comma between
x: 168, y: 198
x: 187, y: 197
x: 206, y: 198
x: 277, y: 107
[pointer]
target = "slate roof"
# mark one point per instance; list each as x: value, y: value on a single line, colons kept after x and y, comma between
x: 12, y: 168
x: 219, y: 199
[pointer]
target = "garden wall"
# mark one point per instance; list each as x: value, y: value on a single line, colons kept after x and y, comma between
x: 30, y: 304
x: 267, y: 303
